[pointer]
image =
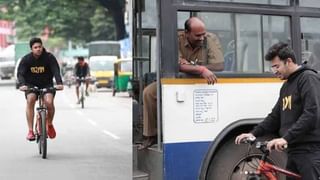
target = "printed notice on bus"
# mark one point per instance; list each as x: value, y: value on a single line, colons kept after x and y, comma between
x: 205, y: 106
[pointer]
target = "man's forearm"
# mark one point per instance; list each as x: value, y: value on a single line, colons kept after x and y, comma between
x: 186, y: 68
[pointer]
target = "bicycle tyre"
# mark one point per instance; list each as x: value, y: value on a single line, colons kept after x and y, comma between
x: 43, y: 136
x: 228, y: 156
x: 38, y: 131
x: 82, y: 97
x: 82, y: 101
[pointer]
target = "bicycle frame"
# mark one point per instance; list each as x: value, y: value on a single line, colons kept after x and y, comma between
x: 270, y: 170
x: 267, y: 169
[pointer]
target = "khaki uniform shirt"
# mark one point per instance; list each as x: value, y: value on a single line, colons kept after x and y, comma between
x: 209, y: 53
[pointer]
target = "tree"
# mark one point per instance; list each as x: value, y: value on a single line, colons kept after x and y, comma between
x: 78, y: 20
x: 102, y: 26
x: 116, y: 7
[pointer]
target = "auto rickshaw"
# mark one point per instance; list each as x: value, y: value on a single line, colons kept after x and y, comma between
x: 122, y: 76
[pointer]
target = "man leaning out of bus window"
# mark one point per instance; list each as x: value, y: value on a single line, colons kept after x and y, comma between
x: 200, y: 53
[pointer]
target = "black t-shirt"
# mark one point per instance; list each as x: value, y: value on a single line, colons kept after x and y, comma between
x: 81, y: 71
x: 39, y: 72
x: 296, y: 115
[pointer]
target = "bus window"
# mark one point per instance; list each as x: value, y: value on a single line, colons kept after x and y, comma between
x: 222, y: 24
x: 244, y: 42
x: 182, y: 16
x: 145, y: 53
x: 148, y: 50
x: 275, y: 29
x: 310, y: 42
x: 149, y: 19
x: 249, y: 47
x: 310, y: 3
x: 273, y: 2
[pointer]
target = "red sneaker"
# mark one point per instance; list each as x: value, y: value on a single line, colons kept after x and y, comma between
x: 31, y: 136
x: 51, y: 132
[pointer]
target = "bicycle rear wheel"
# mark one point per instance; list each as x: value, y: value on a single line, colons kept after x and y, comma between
x: 43, y: 135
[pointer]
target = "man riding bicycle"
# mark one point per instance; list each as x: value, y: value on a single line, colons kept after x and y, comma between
x: 37, y: 69
x: 81, y: 70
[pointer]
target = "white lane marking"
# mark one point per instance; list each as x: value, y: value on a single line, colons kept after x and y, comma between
x: 111, y: 134
x: 93, y: 123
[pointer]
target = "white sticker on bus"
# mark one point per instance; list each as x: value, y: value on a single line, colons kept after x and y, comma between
x: 205, y: 106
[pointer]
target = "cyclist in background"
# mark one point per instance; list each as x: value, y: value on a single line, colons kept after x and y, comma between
x: 296, y: 115
x: 81, y: 70
x: 38, y: 68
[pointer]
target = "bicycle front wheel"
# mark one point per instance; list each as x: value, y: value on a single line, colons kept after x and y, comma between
x: 82, y: 97
x: 232, y: 162
x: 82, y: 102
x: 43, y: 135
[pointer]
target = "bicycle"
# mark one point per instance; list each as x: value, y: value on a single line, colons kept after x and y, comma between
x: 41, y: 122
x: 259, y: 166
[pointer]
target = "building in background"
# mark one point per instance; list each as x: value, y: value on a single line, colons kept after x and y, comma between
x: 7, y: 31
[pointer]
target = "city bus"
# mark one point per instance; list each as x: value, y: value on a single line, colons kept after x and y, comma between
x: 197, y: 122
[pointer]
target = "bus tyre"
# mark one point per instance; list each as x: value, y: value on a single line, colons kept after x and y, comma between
x: 228, y: 162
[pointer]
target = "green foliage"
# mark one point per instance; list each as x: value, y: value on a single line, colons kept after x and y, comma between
x: 102, y: 27
x: 78, y: 20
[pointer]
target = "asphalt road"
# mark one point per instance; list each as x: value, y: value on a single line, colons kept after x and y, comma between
x: 91, y: 144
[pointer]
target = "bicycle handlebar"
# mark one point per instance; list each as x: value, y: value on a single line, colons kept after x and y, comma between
x: 248, y: 140
x: 36, y: 89
x: 261, y: 145
x: 82, y: 79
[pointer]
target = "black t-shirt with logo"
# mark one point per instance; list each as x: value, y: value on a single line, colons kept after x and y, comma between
x: 39, y: 72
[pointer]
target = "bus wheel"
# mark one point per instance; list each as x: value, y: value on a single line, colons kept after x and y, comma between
x: 228, y: 162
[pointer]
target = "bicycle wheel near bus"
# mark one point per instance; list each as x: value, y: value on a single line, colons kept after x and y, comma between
x: 43, y: 135
x: 232, y: 162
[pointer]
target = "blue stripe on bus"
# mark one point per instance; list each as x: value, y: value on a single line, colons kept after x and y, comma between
x: 182, y: 161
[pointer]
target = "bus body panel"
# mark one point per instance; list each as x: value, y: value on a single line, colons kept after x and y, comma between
x: 182, y: 160
x: 195, y: 113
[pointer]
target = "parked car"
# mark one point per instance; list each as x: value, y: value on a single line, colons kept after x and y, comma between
x: 7, y: 62
x: 6, y: 69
